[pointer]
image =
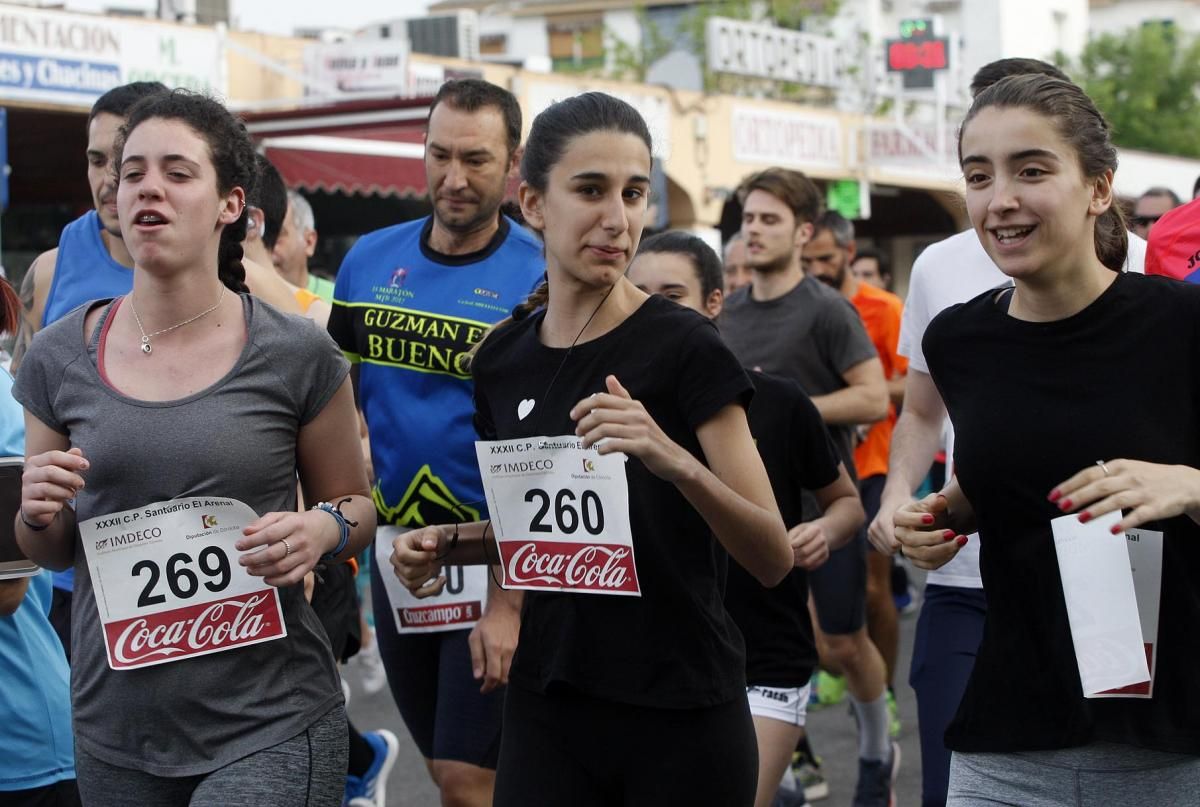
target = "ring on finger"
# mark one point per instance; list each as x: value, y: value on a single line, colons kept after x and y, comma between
x: 287, y: 548
x: 1103, y: 467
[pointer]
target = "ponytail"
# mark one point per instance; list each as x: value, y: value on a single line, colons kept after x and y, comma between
x: 1112, y: 238
x: 229, y: 256
x: 538, y: 299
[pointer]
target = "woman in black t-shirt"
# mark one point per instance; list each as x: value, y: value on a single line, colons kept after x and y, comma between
x: 621, y: 699
x: 799, y: 455
x: 1074, y: 391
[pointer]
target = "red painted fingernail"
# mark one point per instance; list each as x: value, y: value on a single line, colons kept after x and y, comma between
x: 1065, y: 504
x: 1054, y: 495
x: 1116, y: 529
x: 948, y: 534
x: 1085, y: 517
x: 961, y: 540
x: 927, y: 519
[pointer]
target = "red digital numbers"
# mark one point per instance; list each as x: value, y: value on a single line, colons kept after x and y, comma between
x: 907, y: 55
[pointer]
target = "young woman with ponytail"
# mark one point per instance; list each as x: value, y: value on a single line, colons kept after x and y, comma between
x: 188, y: 387
x: 1074, y: 390
x: 621, y: 699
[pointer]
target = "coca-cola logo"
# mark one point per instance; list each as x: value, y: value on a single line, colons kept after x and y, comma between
x: 596, y: 567
x: 193, y: 631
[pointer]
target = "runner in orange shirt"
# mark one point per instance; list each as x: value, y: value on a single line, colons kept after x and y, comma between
x: 827, y: 256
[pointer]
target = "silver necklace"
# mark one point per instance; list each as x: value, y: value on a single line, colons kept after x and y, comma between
x: 147, y: 337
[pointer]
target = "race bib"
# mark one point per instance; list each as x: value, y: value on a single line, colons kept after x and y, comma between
x: 459, y: 605
x: 560, y: 514
x: 1145, y: 561
x: 169, y: 587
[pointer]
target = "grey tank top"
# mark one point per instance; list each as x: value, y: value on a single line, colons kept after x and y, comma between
x: 237, y: 438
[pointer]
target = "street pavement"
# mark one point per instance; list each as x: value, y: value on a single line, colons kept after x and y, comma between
x: 831, y: 730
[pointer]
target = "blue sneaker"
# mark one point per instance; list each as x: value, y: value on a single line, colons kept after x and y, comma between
x: 877, y: 780
x: 369, y: 789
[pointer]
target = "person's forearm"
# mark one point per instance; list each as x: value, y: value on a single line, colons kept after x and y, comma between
x: 510, y: 598
x: 896, y: 390
x: 915, y: 443
x: 858, y: 403
x: 52, y: 548
x: 359, y: 514
x: 470, y: 548
x: 843, y: 516
x: 754, y: 536
x: 12, y: 593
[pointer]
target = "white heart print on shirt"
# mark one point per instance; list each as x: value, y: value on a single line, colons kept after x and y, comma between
x: 524, y: 408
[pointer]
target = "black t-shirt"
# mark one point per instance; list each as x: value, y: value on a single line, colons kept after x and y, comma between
x: 1032, y: 404
x: 798, y: 454
x: 675, y: 646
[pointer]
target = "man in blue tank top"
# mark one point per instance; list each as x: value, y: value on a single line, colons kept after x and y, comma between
x: 409, y: 302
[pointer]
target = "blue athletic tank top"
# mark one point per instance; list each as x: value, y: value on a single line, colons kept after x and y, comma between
x: 407, y: 316
x: 84, y: 272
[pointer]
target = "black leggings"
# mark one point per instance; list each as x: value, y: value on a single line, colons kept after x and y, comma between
x: 573, y: 749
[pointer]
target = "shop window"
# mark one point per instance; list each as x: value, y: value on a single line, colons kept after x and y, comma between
x: 493, y: 44
x: 576, y: 41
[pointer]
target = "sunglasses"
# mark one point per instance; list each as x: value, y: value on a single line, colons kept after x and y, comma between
x: 1144, y: 221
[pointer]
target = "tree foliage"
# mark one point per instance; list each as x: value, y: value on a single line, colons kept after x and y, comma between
x: 1145, y: 81
x: 631, y: 62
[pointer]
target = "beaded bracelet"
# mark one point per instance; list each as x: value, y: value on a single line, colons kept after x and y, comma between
x: 344, y: 525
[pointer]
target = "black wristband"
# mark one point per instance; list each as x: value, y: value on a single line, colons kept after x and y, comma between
x: 34, y: 527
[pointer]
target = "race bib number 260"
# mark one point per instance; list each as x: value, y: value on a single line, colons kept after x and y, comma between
x: 169, y: 587
x: 560, y: 514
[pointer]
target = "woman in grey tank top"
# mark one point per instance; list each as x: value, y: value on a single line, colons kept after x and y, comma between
x: 166, y: 430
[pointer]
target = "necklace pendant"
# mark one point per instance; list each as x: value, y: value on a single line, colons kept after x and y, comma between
x: 146, y: 345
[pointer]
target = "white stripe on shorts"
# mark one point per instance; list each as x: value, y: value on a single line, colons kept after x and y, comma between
x: 785, y: 705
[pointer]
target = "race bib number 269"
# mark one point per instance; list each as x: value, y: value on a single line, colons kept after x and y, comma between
x: 169, y: 587
x: 560, y: 514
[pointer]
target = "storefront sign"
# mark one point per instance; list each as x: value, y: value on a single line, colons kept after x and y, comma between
x: 764, y: 51
x: 71, y: 59
x: 358, y: 65
x: 912, y: 149
x: 791, y: 139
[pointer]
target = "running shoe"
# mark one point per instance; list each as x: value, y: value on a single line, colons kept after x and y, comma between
x: 830, y: 689
x: 370, y: 666
x: 789, y: 793
x: 368, y: 790
x: 894, y: 725
x: 808, y: 775
x: 876, y: 780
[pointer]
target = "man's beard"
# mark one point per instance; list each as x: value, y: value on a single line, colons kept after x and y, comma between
x: 834, y: 281
x: 484, y: 215
x: 779, y: 264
